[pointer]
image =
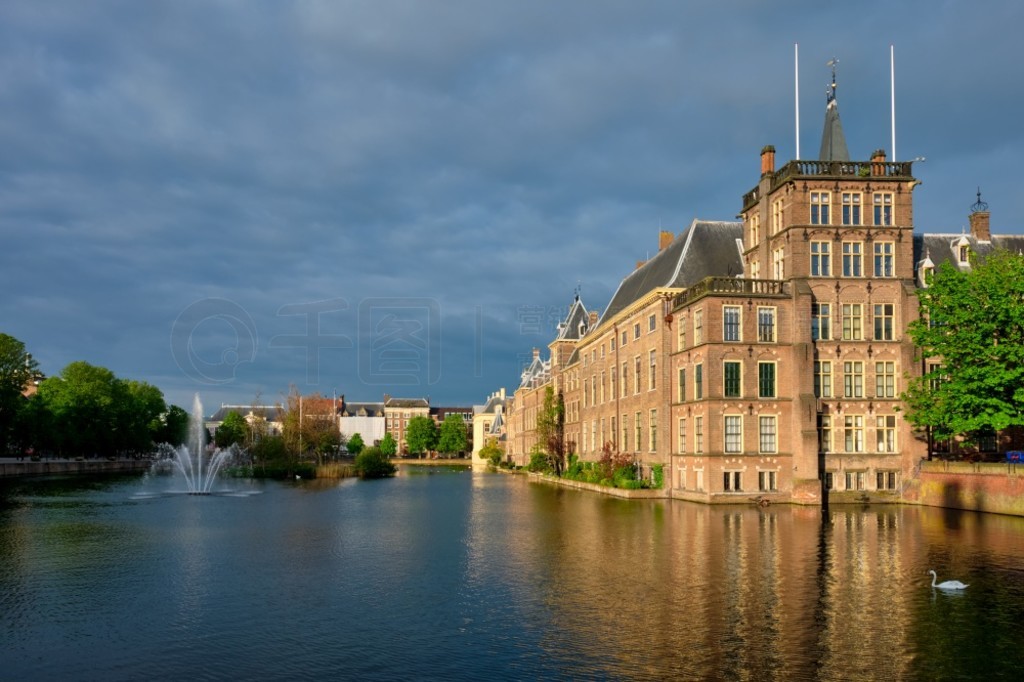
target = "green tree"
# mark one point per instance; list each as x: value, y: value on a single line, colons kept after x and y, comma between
x: 173, y: 426
x: 388, y: 445
x: 972, y: 325
x: 551, y: 429
x: 492, y: 452
x: 138, y: 409
x: 453, y: 437
x: 355, y: 444
x: 372, y: 463
x: 232, y: 430
x: 17, y: 371
x: 420, y: 435
x: 81, y: 402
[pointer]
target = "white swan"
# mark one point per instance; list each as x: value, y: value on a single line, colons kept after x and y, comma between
x: 947, y: 585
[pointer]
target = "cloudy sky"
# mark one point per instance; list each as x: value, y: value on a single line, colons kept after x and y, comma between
x: 401, y: 196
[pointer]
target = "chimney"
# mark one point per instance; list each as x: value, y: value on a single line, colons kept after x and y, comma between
x: 878, y: 162
x: 536, y: 353
x: 980, y: 229
x: 664, y: 239
x: 592, y: 319
x: 640, y: 264
x: 767, y: 160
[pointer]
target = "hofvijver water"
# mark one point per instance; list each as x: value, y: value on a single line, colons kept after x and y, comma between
x: 453, y: 575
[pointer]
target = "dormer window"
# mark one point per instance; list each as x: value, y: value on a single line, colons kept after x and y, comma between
x: 962, y: 249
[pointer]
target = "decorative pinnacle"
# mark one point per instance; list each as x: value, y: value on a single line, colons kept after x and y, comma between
x: 830, y: 90
x: 979, y: 206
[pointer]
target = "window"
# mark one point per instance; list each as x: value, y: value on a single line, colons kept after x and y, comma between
x: 883, y: 259
x: 853, y: 432
x: 733, y: 434
x: 851, y: 208
x: 885, y: 379
x: 593, y: 390
x: 766, y: 325
x: 682, y: 384
x: 855, y: 480
x: 698, y: 382
x: 884, y: 313
x: 604, y: 381
x: 824, y: 433
x: 625, y: 432
x: 821, y: 327
x: 853, y: 259
x: 612, y: 387
x: 755, y: 269
x: 853, y: 379
x: 766, y: 481
x: 698, y: 327
x: 887, y: 480
x: 586, y: 391
x: 593, y: 435
x: 885, y: 433
x: 731, y: 323
x: 611, y: 342
x: 625, y: 337
x: 821, y: 259
x: 823, y: 378
x: 819, y: 208
x: 682, y: 436
x: 638, y: 424
x: 652, y: 359
x: 698, y: 435
x: 766, y: 379
x: 829, y: 481
x: 636, y: 330
x: 625, y: 378
x: 612, y: 432
x: 732, y: 481
x: 652, y: 323
x: 883, y: 208
x: 652, y: 427
x: 755, y: 230
x: 732, y: 380
x: 682, y: 333
x: 766, y: 435
x: 776, y: 216
x: 636, y: 374
x: 852, y: 315
x: 779, y: 263
x: 987, y: 441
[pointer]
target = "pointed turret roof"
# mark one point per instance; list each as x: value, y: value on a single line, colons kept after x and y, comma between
x: 833, y: 142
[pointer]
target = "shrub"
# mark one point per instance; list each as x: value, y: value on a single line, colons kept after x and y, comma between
x: 373, y: 463
x: 659, y: 476
x: 539, y: 462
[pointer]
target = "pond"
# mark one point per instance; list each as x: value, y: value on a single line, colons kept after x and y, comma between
x: 442, y: 573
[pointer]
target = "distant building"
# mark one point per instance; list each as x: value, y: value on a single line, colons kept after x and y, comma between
x: 489, y: 422
x: 366, y: 419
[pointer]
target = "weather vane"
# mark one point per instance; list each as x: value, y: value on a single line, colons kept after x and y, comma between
x: 979, y: 206
x: 830, y: 90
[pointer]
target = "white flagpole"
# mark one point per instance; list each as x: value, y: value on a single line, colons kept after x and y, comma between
x: 796, y: 94
x: 892, y: 97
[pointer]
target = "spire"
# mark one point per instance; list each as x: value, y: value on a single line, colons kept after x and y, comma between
x: 833, y: 142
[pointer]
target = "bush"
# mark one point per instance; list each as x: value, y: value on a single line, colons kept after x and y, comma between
x: 373, y: 463
x: 539, y: 462
x: 659, y: 476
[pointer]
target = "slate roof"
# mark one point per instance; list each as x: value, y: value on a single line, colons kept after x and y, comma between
x: 407, y: 402
x: 269, y: 412
x: 575, y: 322
x: 941, y: 248
x: 833, y: 142
x: 706, y: 248
x: 492, y: 404
x: 361, y: 409
x: 536, y: 374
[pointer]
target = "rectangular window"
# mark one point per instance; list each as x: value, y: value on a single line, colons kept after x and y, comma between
x: 652, y: 427
x: 819, y: 208
x: 885, y: 379
x: 681, y: 343
x: 776, y: 216
x: 853, y: 259
x: 883, y: 259
x: 885, y: 433
x: 682, y: 385
x: 733, y: 434
x: 731, y: 481
x: 883, y: 208
x: 821, y: 321
x: 652, y: 370
x: 855, y: 480
x: 755, y: 269
x: 766, y: 325
x: 766, y: 379
x: 698, y: 435
x: 586, y: 391
x: 698, y: 382
x: 698, y: 327
x: 755, y: 231
x: 766, y: 435
x: 636, y: 330
x: 732, y: 380
x: 852, y: 319
x: 779, y: 263
x: 612, y: 433
x: 625, y: 379
x: 638, y: 424
x: 682, y: 436
x: 636, y: 374
x: 824, y: 433
x: 611, y: 343
x: 823, y: 378
x: 884, y: 313
x: 625, y: 432
x: 652, y: 323
x: 613, y: 387
x: 604, y: 382
x: 625, y: 337
x: 851, y: 208
x: 731, y: 323
x: 766, y: 481
x: 593, y: 390
x: 853, y: 432
x: 821, y: 259
x: 887, y: 480
x: 853, y: 379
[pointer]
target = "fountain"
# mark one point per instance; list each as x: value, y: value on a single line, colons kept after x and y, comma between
x: 197, y: 462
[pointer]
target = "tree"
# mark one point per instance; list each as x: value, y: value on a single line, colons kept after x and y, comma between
x: 972, y: 325
x: 420, y: 435
x: 388, y: 445
x: 355, y: 444
x: 310, y: 424
x: 551, y: 429
x: 173, y: 427
x: 492, y: 452
x: 17, y: 371
x: 138, y: 413
x: 232, y: 430
x: 81, y: 403
x: 453, y: 437
x: 372, y: 463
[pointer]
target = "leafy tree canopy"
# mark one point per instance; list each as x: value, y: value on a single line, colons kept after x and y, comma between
x: 388, y: 445
x: 232, y: 430
x: 420, y: 435
x: 453, y: 437
x: 971, y: 332
x: 355, y: 444
x: 17, y: 371
x: 372, y: 463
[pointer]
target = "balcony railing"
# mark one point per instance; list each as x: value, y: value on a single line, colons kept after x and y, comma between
x: 731, y: 286
x: 888, y: 170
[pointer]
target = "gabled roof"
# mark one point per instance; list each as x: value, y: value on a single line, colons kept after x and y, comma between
x: 536, y: 374
x: 407, y: 402
x: 942, y: 248
x: 492, y: 404
x: 361, y: 410
x: 575, y: 323
x: 706, y: 248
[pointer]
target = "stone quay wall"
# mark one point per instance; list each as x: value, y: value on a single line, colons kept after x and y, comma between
x: 974, y: 486
x: 48, y: 467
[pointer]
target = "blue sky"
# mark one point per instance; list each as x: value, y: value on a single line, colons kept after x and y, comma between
x: 401, y: 196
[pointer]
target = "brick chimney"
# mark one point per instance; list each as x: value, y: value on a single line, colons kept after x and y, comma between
x: 640, y: 264
x: 878, y: 162
x: 767, y: 159
x: 664, y: 239
x: 536, y: 353
x: 980, y: 216
x: 592, y: 320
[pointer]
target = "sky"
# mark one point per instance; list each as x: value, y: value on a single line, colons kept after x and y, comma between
x: 356, y: 198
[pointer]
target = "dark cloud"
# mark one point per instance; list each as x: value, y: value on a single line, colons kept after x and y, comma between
x: 478, y: 159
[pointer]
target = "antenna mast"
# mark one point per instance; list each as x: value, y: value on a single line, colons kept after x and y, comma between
x: 892, y: 97
x: 796, y: 104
